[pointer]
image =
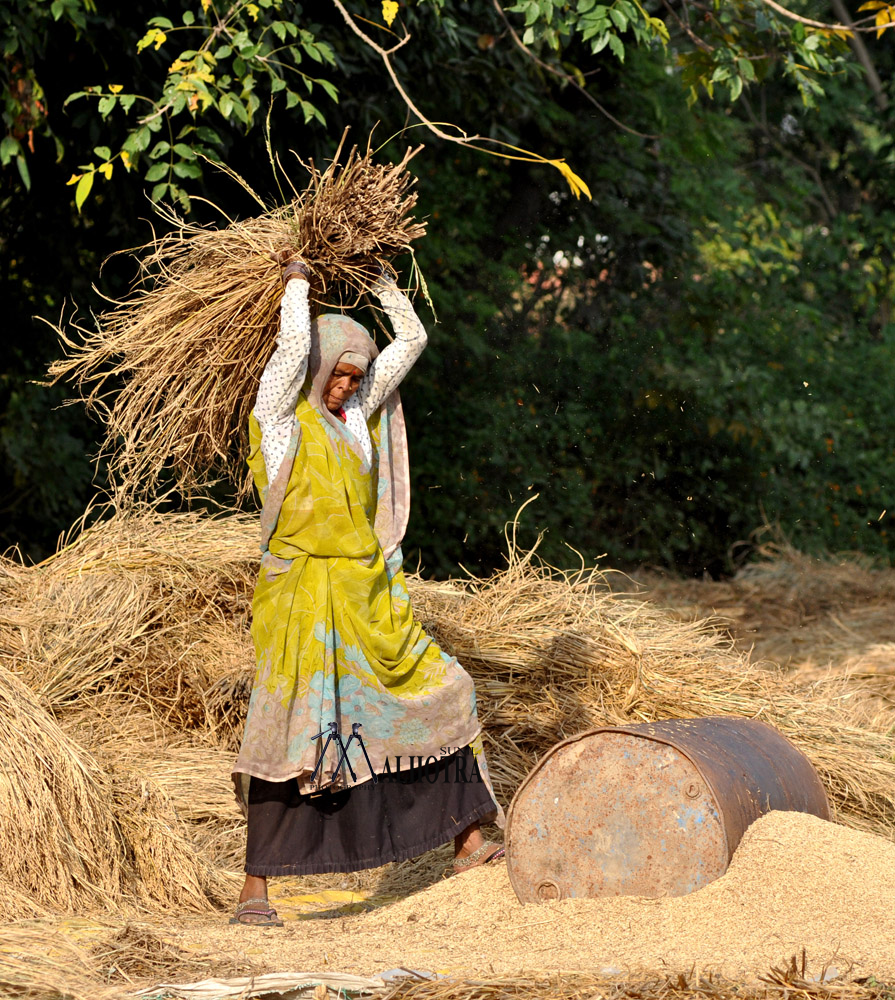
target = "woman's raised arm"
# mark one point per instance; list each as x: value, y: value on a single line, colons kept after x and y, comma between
x: 388, y: 370
x: 285, y: 373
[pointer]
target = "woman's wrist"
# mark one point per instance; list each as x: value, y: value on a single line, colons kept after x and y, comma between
x: 296, y: 269
x: 385, y: 282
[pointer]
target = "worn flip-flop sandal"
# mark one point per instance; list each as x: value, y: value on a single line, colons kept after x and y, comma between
x: 256, y: 907
x: 475, y: 859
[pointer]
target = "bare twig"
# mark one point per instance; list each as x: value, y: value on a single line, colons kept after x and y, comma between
x: 385, y: 55
x: 700, y: 43
x: 507, y: 150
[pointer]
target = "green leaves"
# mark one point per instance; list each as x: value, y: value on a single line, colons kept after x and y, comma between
x: 230, y: 67
x: 721, y: 46
x: 11, y: 149
x: 233, y: 60
x: 157, y: 171
x: 82, y: 191
x: 600, y: 24
x: 138, y: 140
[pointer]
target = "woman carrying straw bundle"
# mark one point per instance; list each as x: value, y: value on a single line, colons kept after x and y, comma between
x: 334, y: 633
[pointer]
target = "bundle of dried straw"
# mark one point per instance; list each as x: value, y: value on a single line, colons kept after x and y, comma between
x: 59, y: 845
x: 190, y: 343
x: 824, y: 618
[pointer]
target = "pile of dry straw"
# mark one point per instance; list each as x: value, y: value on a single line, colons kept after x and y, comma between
x: 127, y: 662
x: 824, y: 619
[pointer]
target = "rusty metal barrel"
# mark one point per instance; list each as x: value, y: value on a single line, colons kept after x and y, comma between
x: 652, y: 809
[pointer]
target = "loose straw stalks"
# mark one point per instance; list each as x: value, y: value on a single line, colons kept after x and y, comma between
x: 136, y: 637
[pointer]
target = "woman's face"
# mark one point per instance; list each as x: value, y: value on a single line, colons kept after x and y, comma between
x: 341, y: 386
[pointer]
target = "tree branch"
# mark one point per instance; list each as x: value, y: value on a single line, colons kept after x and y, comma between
x: 384, y: 54
x: 688, y: 31
x: 576, y: 184
x: 850, y: 28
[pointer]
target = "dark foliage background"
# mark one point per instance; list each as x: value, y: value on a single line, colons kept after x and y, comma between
x: 705, y: 346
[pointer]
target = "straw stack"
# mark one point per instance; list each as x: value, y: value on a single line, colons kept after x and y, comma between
x: 556, y: 653
x: 59, y: 845
x: 138, y: 630
x: 827, y: 619
x: 80, y: 833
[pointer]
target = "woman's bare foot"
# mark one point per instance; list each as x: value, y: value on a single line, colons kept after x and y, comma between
x: 254, y: 887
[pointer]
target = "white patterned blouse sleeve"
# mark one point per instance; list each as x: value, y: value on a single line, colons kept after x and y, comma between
x: 387, y: 371
x: 284, y: 376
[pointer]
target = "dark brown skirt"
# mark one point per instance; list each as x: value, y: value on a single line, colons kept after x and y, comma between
x: 364, y: 826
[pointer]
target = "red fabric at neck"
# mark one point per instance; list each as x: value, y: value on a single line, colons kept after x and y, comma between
x: 340, y: 413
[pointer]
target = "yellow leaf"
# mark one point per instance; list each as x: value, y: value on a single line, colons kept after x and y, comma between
x: 83, y: 190
x: 115, y: 88
x: 205, y: 5
x: 389, y: 11
x: 883, y: 20
x: 106, y: 170
x: 73, y: 179
x: 178, y: 65
x: 252, y: 10
x: 153, y: 35
x: 126, y: 159
x: 572, y: 179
